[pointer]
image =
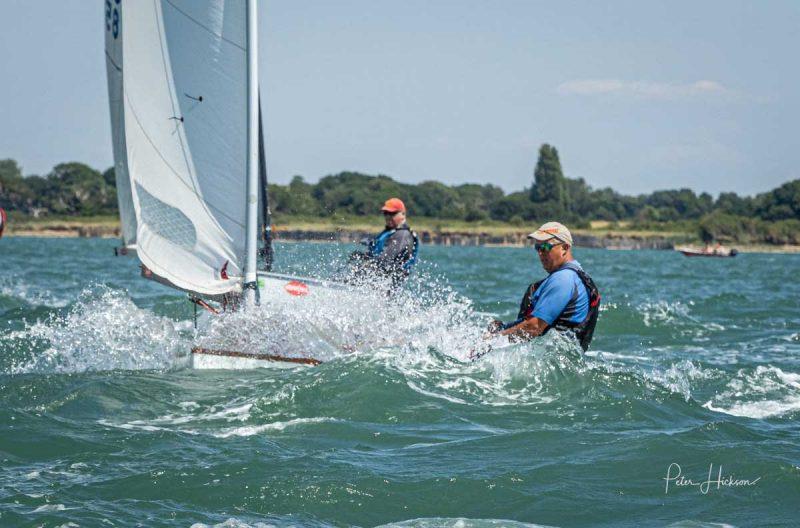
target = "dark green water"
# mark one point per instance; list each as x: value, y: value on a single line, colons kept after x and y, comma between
x: 695, y: 363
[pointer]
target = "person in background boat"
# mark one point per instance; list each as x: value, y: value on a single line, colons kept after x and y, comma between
x: 567, y: 299
x: 2, y: 221
x: 392, y: 252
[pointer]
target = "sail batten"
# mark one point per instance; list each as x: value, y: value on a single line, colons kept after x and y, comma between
x: 180, y: 137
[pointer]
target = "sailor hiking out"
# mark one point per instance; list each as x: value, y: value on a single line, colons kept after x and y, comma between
x: 567, y: 299
x: 391, y: 253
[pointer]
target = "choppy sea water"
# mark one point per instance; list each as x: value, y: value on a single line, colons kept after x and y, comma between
x: 694, y: 364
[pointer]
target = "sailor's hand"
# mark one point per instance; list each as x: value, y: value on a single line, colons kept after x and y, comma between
x: 495, y: 326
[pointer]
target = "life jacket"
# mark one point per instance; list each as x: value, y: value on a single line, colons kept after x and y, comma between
x: 583, y: 330
x: 377, y: 245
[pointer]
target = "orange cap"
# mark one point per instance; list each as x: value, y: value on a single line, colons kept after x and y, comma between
x: 393, y: 205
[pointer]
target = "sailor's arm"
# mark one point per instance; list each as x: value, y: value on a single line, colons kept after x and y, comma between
x: 555, y: 295
x: 527, y: 329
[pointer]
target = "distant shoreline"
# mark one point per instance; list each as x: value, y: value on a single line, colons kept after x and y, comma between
x: 439, y: 234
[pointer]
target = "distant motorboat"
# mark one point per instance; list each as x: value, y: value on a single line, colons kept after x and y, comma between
x: 689, y: 251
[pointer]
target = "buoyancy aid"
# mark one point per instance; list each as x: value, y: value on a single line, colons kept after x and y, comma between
x: 584, y: 330
x: 377, y: 245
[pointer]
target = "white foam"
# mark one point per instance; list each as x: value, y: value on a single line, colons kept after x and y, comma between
x: 251, y: 430
x: 762, y: 393
x: 459, y: 522
x: 758, y: 410
x: 663, y: 313
x: 49, y: 508
x: 238, y: 412
x: 432, y: 394
x: 137, y: 425
x: 600, y: 354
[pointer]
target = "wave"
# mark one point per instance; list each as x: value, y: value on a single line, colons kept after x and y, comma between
x: 16, y: 290
x: 422, y: 338
x: 543, y: 379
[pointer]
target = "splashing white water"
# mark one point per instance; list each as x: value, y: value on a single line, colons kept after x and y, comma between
x: 427, y: 335
x: 337, y: 321
x: 104, y: 330
x: 678, y: 377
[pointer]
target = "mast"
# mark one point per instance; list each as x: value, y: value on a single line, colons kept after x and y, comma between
x: 251, y: 243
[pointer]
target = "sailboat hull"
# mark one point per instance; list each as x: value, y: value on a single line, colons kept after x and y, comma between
x: 284, y: 292
x: 207, y: 359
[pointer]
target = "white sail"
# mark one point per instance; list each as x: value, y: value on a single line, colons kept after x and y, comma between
x: 184, y: 144
x: 127, y: 214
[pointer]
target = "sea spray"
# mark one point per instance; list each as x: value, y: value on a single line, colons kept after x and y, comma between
x: 102, y: 330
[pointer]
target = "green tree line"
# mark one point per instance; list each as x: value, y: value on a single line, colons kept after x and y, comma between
x: 70, y: 189
x: 774, y: 217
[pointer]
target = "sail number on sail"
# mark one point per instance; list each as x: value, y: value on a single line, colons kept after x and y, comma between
x: 112, y: 17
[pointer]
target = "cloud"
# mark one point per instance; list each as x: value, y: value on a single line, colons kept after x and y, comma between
x: 645, y: 89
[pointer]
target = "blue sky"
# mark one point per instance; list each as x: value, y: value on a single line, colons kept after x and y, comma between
x: 636, y: 95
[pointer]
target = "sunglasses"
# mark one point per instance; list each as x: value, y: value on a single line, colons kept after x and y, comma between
x: 546, y: 247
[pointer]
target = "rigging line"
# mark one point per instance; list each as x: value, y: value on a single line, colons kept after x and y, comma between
x: 190, y: 17
x: 168, y: 79
x: 172, y: 169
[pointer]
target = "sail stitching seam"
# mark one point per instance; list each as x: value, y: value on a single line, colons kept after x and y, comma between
x: 187, y: 15
x: 193, y: 188
x: 171, y: 168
